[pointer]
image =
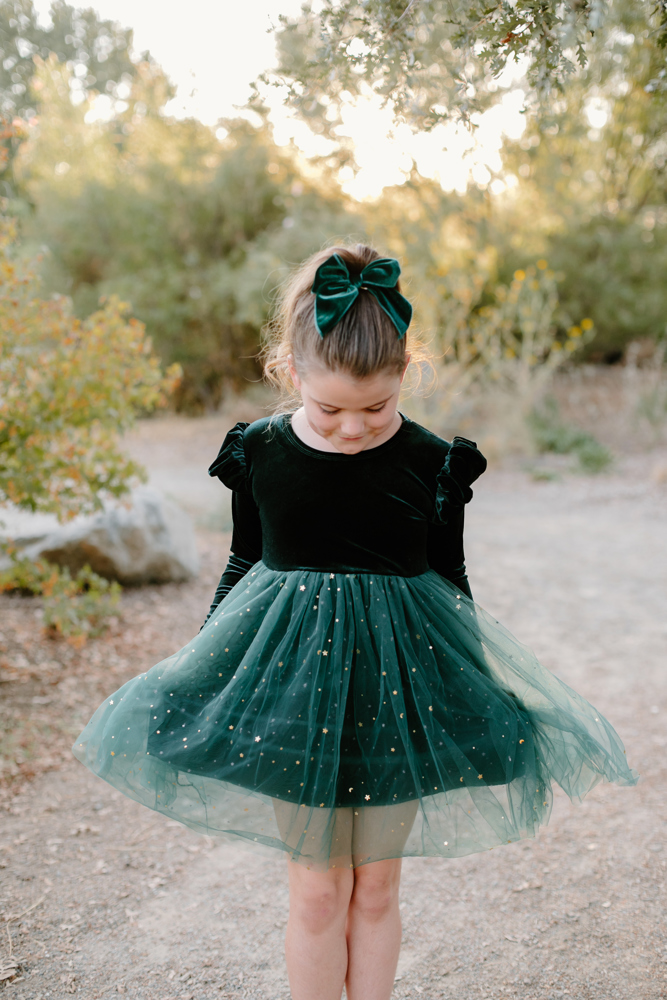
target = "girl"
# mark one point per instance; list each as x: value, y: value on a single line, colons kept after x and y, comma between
x: 346, y: 702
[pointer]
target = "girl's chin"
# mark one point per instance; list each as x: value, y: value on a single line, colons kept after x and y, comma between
x: 351, y: 445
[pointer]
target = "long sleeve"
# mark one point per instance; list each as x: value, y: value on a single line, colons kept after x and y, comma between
x: 246, y: 548
x: 463, y: 465
x: 445, y: 551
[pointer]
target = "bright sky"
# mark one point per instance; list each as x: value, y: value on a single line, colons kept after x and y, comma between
x: 213, y: 49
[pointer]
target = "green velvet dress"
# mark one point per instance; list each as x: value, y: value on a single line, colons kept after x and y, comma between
x: 346, y: 701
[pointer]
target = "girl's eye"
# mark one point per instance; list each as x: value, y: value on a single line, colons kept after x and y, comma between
x: 377, y: 409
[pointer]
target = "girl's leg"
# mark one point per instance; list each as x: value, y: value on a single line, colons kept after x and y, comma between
x: 321, y: 879
x: 373, y: 931
x: 374, y: 923
x: 315, y: 945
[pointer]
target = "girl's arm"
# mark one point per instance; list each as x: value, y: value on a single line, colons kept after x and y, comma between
x: 246, y: 548
x: 445, y: 551
x: 463, y: 465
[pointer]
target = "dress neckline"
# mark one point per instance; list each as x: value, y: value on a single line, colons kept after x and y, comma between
x: 334, y: 456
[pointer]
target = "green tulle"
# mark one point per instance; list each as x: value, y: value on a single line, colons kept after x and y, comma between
x: 349, y: 718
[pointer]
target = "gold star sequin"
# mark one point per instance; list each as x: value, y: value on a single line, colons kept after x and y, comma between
x: 302, y: 587
x: 325, y: 731
x: 257, y: 739
x: 367, y: 797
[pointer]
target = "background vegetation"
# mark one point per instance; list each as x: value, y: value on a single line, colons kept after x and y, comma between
x: 195, y: 227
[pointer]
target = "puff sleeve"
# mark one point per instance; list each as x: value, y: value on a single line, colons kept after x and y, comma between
x: 231, y: 468
x: 463, y: 465
x: 230, y: 465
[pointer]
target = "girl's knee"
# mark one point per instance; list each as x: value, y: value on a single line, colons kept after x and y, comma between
x: 375, y: 892
x: 319, y: 901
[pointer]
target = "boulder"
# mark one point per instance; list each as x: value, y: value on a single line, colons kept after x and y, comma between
x: 149, y: 541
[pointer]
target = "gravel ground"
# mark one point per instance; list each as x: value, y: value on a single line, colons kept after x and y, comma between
x: 101, y: 896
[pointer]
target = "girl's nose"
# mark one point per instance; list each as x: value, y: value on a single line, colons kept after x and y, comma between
x: 352, y: 426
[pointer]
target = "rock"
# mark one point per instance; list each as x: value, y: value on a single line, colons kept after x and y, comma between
x: 151, y: 541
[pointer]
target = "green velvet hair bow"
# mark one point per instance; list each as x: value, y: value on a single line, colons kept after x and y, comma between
x: 336, y: 292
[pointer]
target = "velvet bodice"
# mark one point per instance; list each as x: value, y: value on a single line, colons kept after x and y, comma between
x: 396, y: 509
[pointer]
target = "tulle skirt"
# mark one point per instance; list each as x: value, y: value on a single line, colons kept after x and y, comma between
x: 350, y: 718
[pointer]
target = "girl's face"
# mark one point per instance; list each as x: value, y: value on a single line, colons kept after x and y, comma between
x: 350, y: 414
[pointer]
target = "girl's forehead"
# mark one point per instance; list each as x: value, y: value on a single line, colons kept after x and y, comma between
x: 346, y: 392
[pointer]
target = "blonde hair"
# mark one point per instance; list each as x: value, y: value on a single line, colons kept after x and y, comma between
x: 364, y: 343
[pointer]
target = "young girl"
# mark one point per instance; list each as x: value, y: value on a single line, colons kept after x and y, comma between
x: 346, y: 702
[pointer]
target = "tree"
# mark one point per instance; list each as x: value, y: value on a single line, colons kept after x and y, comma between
x: 98, y: 52
x: 194, y: 229
x: 591, y: 189
x: 100, y: 60
x: 434, y: 60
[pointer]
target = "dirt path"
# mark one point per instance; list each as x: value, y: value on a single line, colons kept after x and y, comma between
x: 118, y: 900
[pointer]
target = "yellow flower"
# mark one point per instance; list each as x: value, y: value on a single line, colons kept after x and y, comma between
x: 519, y: 275
x: 587, y: 324
x: 542, y: 264
x: 574, y: 331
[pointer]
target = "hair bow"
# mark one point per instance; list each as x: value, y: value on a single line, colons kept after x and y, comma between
x: 336, y: 292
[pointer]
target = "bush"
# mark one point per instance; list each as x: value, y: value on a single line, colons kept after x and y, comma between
x: 76, y: 608
x: 550, y: 433
x: 68, y: 390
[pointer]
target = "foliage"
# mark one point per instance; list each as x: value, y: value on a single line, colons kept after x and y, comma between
x: 551, y: 434
x: 98, y: 51
x: 76, y: 608
x: 68, y: 389
x: 436, y: 61
x: 194, y: 229
x: 512, y: 334
x: 514, y: 340
x: 593, y: 199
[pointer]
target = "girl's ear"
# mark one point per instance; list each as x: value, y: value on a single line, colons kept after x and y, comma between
x: 405, y: 366
x: 293, y: 372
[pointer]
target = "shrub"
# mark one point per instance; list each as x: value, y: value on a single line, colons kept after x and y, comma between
x: 76, y: 608
x: 68, y: 390
x: 550, y: 433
